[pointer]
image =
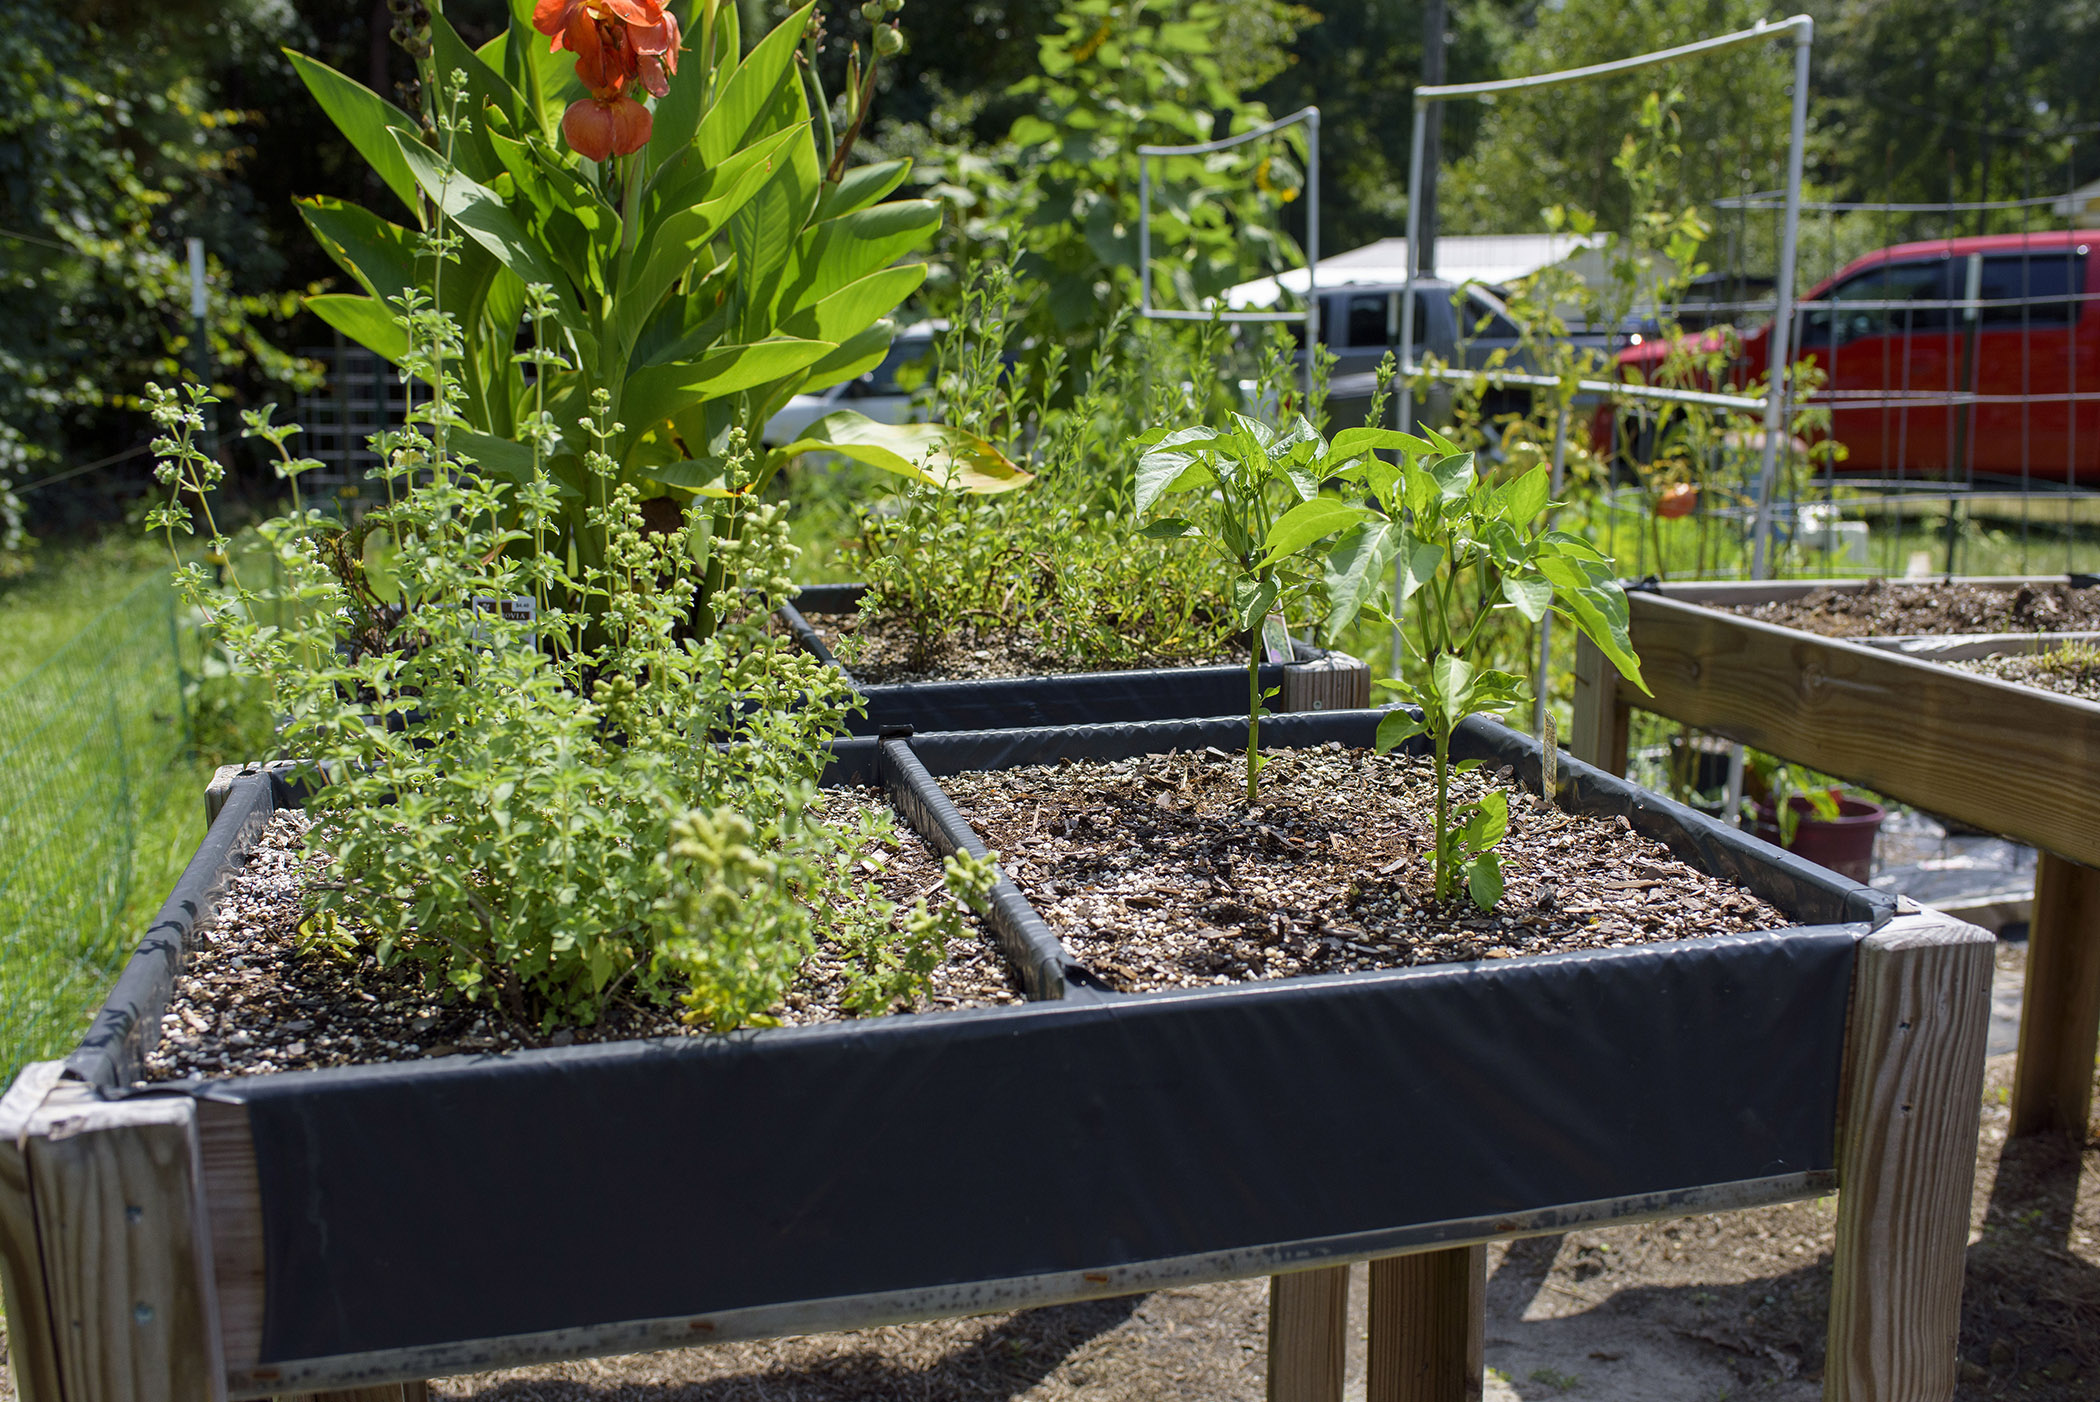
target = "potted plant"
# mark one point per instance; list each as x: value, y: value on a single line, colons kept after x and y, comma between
x: 1803, y: 813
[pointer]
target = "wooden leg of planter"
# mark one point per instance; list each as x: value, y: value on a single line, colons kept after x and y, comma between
x: 1427, y: 1312
x: 1599, y: 734
x: 2060, y: 1009
x: 31, y: 1346
x: 1308, y: 1334
x: 1913, y: 1080
x: 117, y: 1197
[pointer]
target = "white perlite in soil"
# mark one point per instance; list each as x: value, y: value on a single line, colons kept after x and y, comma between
x: 248, y: 1002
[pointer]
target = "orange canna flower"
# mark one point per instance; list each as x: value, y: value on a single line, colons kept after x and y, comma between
x: 617, y: 43
x: 596, y: 128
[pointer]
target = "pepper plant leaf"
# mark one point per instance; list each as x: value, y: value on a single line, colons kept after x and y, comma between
x: 1308, y: 522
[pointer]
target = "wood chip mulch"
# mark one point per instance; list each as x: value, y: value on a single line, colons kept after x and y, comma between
x: 1887, y: 608
x: 248, y: 1002
x: 879, y: 649
x: 1156, y: 875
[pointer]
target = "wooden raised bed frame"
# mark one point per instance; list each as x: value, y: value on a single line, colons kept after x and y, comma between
x: 131, y: 1236
x: 2002, y: 757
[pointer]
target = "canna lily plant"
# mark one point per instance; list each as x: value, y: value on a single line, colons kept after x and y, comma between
x: 667, y: 222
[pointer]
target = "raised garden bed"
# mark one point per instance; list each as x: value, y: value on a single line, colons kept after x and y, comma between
x: 1884, y: 712
x: 346, y: 1226
x: 1316, y: 681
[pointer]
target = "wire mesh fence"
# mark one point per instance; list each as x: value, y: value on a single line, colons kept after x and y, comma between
x: 94, y: 767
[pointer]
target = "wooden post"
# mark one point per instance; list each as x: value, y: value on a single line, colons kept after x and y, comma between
x: 1599, y: 733
x: 1427, y: 1313
x: 1308, y: 1334
x: 31, y: 1346
x: 1913, y: 1081
x: 119, y: 1198
x: 2060, y: 1009
x: 1336, y: 682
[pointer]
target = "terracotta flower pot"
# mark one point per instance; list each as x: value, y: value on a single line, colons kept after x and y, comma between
x: 1844, y: 844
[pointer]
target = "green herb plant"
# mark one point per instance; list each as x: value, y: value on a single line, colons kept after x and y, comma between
x: 1469, y: 550
x: 1052, y: 573
x: 554, y: 820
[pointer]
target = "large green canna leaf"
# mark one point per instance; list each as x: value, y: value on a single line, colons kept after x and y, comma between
x: 485, y: 86
x: 934, y: 454
x: 381, y: 256
x: 368, y: 322
x: 845, y: 250
x: 751, y: 90
x: 855, y: 356
x: 862, y: 186
x: 668, y: 247
x: 855, y: 307
x: 368, y: 121
x: 483, y: 216
x: 656, y: 392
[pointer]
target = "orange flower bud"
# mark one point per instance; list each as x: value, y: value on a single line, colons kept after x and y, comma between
x: 596, y: 128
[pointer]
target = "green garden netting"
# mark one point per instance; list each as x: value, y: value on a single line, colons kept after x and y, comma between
x: 98, y: 810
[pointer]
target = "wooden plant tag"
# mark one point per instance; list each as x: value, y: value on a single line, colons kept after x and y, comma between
x: 1549, y: 762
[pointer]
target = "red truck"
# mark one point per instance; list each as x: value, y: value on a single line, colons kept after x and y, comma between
x: 1957, y: 357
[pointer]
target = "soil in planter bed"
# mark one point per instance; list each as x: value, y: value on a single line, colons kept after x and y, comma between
x: 878, y: 650
x: 2076, y: 674
x: 1882, y: 609
x: 1156, y: 875
x: 248, y: 1002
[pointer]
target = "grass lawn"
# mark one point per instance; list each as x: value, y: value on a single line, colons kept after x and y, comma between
x: 100, y: 798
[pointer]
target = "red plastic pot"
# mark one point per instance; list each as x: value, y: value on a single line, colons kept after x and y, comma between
x: 1844, y: 844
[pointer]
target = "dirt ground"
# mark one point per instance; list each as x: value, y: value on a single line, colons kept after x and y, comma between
x: 1726, y: 1308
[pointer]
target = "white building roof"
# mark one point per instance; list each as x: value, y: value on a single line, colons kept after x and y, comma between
x: 1489, y: 258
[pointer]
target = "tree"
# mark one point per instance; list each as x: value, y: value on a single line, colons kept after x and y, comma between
x: 1556, y: 147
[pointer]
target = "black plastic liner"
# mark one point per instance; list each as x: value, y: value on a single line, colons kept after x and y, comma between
x: 113, y: 1052
x: 477, y: 1198
x: 1079, y: 698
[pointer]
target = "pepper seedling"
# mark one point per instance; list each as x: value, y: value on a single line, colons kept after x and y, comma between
x: 1257, y: 505
x: 1447, y: 528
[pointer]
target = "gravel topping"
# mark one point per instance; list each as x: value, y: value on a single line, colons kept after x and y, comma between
x: 247, y: 1002
x: 2071, y: 670
x: 1156, y: 875
x: 877, y: 649
x: 1884, y: 608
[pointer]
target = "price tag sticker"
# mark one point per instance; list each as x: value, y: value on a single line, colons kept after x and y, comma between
x: 1275, y: 639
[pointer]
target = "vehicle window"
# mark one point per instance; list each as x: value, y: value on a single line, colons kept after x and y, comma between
x: 1482, y: 320
x: 1881, y: 295
x: 1367, y: 320
x: 2031, y: 289
x: 904, y: 351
